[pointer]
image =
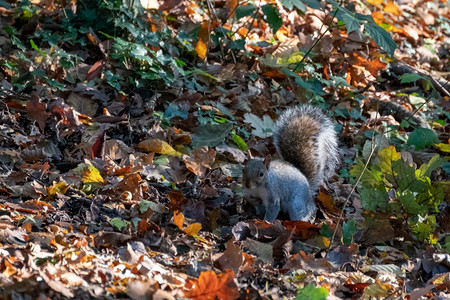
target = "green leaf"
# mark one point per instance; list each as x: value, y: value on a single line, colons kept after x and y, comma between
x: 381, y: 37
x: 118, y: 223
x: 410, y: 77
x: 244, y: 10
x: 426, y: 168
x: 273, y: 16
x: 409, y: 203
x: 239, y: 142
x: 371, y: 177
x: 310, y: 292
x: 432, y: 197
x: 423, y: 228
x: 33, y: 45
x: 421, y: 138
x: 315, y: 4
x: 263, y: 128
x: 406, y: 178
x: 351, y: 23
x: 326, y: 231
x: 348, y: 231
x: 287, y: 3
x: 210, y: 134
x: 374, y: 199
x: 299, y: 5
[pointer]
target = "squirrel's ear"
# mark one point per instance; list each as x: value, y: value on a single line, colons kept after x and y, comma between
x: 267, y: 160
x: 249, y: 154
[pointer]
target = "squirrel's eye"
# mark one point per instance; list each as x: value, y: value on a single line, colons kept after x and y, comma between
x: 261, y: 174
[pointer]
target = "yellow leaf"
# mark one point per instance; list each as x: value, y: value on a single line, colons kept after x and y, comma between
x: 178, y: 219
x: 193, y: 229
x: 444, y: 147
x: 91, y: 174
x: 56, y: 188
x: 387, y: 156
x: 158, y: 146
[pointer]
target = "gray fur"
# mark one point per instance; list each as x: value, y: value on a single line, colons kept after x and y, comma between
x: 282, y: 185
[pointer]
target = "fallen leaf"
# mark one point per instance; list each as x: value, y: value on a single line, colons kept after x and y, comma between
x: 212, y: 286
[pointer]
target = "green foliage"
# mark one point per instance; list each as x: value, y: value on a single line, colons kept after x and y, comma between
x: 118, y: 223
x: 262, y: 127
x: 421, y: 138
x: 310, y: 292
x: 348, y: 231
x: 411, y: 191
x: 239, y: 141
x: 353, y: 22
x: 410, y: 77
x: 326, y: 231
x: 272, y: 16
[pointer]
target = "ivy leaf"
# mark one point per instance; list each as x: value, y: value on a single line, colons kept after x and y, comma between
x: 244, y: 11
x: 381, y: 37
x: 273, y: 16
x: 421, y: 138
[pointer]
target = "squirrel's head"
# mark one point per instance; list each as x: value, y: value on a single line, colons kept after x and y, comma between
x: 255, y: 172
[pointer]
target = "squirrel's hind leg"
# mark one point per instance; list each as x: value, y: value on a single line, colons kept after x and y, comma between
x: 304, y: 212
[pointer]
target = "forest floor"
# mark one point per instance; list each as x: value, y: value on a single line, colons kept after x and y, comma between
x: 124, y: 131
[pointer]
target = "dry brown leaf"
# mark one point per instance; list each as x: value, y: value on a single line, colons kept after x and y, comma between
x: 37, y: 111
x: 200, y: 160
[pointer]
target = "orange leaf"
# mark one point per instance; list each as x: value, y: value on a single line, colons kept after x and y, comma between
x: 212, y: 286
x: 178, y: 219
x: 392, y: 8
x: 193, y: 229
x: 202, y: 44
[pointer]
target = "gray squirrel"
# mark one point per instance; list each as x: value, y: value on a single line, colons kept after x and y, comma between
x: 306, y: 140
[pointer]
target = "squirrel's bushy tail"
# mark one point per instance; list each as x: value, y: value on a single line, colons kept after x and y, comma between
x: 305, y: 137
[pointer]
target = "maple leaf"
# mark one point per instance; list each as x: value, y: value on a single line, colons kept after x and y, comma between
x: 212, y: 286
